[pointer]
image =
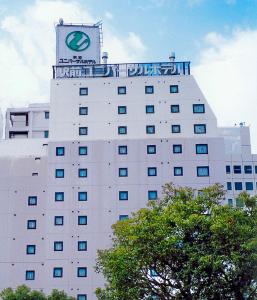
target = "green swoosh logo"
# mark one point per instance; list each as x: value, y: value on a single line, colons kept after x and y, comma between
x: 77, y: 41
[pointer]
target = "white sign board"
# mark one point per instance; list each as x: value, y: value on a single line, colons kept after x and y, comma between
x: 77, y: 45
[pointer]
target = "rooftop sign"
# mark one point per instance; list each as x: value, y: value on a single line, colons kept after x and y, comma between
x: 77, y: 44
x: 122, y: 70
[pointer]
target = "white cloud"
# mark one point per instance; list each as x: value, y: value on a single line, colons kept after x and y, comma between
x: 227, y: 75
x: 108, y: 15
x: 27, y: 49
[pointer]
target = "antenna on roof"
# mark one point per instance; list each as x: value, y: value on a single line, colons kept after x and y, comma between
x: 172, y: 56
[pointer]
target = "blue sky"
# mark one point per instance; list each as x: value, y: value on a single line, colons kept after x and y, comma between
x: 219, y: 37
x: 165, y: 24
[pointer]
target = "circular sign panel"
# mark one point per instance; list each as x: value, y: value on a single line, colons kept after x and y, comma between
x: 77, y: 41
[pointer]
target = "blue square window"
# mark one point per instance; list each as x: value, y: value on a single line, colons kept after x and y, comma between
x: 83, y: 91
x: 31, y: 249
x: 152, y: 171
x: 177, y: 149
x: 82, y: 196
x: 149, y: 89
x: 82, y: 220
x: 123, y: 172
x: 203, y: 171
x: 46, y: 114
x: 249, y: 186
x: 237, y: 169
x: 174, y: 109
x: 122, y: 110
x: 201, y: 148
x: 82, y: 150
x: 83, y: 110
x: 58, y: 246
x: 30, y: 275
x: 59, y: 151
x: 81, y: 297
x: 123, y: 217
x: 57, y: 272
x: 151, y: 149
x: 248, y: 169
x: 150, y: 129
x: 229, y: 186
x: 239, y: 203
x: 228, y: 169
x: 82, y: 172
x: 198, y: 108
x: 59, y: 196
x: 82, y: 245
x: 199, y: 128
x: 123, y: 195
x: 46, y: 134
x: 173, y: 89
x: 238, y: 186
x: 83, y: 131
x: 31, y: 224
x: 82, y: 272
x: 175, y: 128
x: 255, y: 169
x: 59, y: 173
x: 152, y: 195
x: 149, y: 109
x: 178, y: 171
x: 122, y: 129
x: 230, y: 202
x: 122, y: 90
x: 58, y: 220
x: 32, y: 200
x: 123, y: 150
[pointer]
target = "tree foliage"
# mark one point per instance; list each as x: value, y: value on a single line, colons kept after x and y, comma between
x: 185, y: 246
x: 25, y: 293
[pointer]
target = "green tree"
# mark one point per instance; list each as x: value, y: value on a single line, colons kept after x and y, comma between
x: 185, y: 246
x: 25, y: 293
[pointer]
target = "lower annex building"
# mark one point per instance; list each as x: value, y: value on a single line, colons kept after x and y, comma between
x: 111, y: 136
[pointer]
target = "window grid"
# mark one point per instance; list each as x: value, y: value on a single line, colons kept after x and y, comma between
x: 82, y: 245
x: 59, y: 196
x: 177, y: 148
x: 173, y: 89
x: 83, y: 91
x: 82, y: 150
x: 83, y: 110
x: 82, y: 220
x: 150, y: 129
x: 174, y: 109
x: 151, y: 149
x: 82, y: 196
x: 199, y: 128
x: 122, y: 129
x: 149, y: 89
x: 59, y: 151
x: 123, y: 172
x: 32, y: 200
x: 58, y: 246
x: 122, y: 110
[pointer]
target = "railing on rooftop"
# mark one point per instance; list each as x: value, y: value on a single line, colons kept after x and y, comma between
x: 122, y: 70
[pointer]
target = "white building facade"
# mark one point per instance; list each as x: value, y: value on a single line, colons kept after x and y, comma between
x: 115, y: 135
